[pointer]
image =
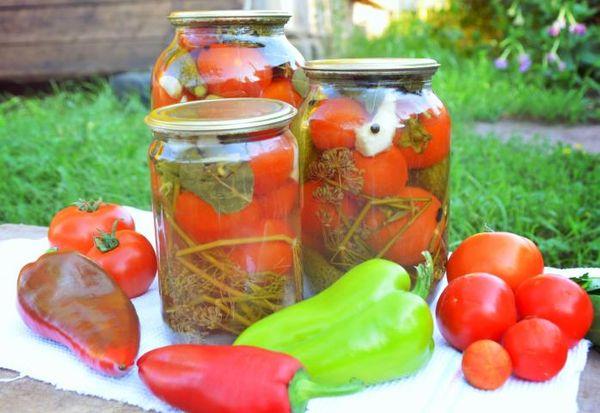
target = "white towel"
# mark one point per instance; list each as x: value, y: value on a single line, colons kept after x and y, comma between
x: 438, y: 387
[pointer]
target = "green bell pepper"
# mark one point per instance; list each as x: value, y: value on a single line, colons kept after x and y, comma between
x: 366, y: 326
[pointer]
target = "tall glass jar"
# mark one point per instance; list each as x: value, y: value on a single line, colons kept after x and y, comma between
x: 225, y: 195
x: 228, y: 54
x: 374, y: 148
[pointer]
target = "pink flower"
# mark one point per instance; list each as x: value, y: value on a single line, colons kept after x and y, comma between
x: 501, y: 63
x: 524, y: 62
x: 554, y: 29
x: 578, y: 29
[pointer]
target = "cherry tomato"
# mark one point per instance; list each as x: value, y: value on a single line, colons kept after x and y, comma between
x: 415, y: 239
x: 475, y: 307
x: 486, y: 365
x: 318, y: 215
x: 282, y: 89
x: 559, y: 300
x: 384, y: 174
x: 131, y: 263
x: 74, y: 227
x: 419, y: 154
x: 537, y: 348
x: 333, y: 122
x: 202, y: 223
x: 280, y: 202
x: 275, y: 256
x: 509, y: 256
x: 234, y: 71
x: 272, y: 161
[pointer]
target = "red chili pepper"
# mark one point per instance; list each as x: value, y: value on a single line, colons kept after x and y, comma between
x: 232, y: 379
x: 66, y: 297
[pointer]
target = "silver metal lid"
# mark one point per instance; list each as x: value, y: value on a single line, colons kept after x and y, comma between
x: 184, y: 18
x: 221, y: 116
x: 370, y: 67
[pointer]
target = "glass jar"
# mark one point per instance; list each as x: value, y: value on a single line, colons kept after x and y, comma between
x: 228, y: 54
x: 225, y: 196
x: 374, y: 149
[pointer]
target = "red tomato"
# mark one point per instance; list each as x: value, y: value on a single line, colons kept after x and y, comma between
x: 333, y: 122
x: 233, y: 71
x: 275, y: 256
x: 422, y: 155
x: 74, y: 227
x: 415, y: 239
x: 384, y: 174
x: 486, y: 365
x: 280, y: 202
x: 537, y: 348
x: 509, y: 256
x: 202, y: 223
x: 272, y: 161
x: 132, y: 263
x: 282, y: 89
x: 314, y: 211
x: 559, y: 300
x: 475, y: 307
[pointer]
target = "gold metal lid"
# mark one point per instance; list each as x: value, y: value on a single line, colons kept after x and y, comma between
x: 184, y: 18
x: 370, y: 67
x: 221, y: 116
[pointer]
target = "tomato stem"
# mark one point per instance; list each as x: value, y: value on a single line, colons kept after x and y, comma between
x: 424, y: 276
x: 88, y: 206
x: 106, y: 241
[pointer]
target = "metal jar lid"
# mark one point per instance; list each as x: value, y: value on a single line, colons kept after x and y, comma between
x: 221, y: 116
x: 185, y: 18
x: 353, y: 68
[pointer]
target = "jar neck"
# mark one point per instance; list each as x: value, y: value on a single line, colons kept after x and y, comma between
x: 211, y: 138
x: 409, y: 84
x: 235, y: 29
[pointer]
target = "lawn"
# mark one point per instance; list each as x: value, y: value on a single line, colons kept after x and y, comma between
x: 82, y: 142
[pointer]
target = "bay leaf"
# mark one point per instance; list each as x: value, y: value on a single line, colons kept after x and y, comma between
x: 227, y: 186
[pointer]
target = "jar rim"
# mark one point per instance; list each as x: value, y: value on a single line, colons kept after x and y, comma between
x: 221, y: 116
x: 370, y: 66
x: 184, y: 18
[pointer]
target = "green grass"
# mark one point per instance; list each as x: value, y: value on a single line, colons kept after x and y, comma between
x: 77, y: 142
x: 83, y: 142
x: 474, y: 89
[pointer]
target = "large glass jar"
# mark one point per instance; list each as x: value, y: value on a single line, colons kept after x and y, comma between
x: 374, y: 152
x: 228, y: 54
x: 225, y: 194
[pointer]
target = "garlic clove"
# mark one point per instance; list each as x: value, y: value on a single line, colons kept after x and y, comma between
x: 170, y: 85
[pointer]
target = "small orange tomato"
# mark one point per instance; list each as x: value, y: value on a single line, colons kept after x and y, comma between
x: 486, y: 365
x: 384, y: 174
x: 333, y: 122
x: 282, y: 89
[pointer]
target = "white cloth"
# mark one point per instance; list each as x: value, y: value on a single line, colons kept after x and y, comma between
x: 438, y: 387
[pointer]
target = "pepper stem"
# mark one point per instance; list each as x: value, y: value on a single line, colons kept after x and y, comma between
x: 88, y: 206
x: 302, y: 388
x: 424, y: 276
x: 107, y: 241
